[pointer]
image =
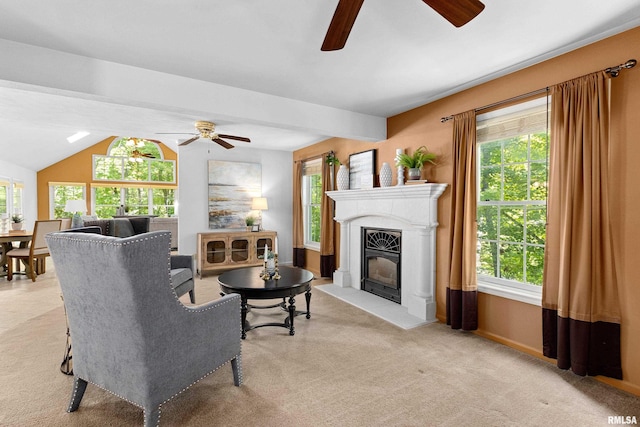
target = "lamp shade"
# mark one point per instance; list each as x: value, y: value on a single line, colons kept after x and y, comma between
x: 259, y: 204
x: 74, y: 206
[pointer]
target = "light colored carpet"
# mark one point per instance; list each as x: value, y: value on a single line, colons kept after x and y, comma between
x: 343, y: 367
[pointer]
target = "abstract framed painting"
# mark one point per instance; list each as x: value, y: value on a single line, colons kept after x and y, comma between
x: 232, y: 186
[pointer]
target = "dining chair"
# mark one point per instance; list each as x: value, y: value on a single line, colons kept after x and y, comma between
x: 37, y: 250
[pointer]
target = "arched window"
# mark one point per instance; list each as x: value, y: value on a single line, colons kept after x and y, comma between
x: 149, y: 180
x: 133, y: 159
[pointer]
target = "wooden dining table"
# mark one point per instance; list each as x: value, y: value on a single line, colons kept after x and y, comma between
x: 6, y: 241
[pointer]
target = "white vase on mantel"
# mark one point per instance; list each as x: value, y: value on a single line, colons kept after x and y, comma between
x: 342, y: 178
x: 385, y: 175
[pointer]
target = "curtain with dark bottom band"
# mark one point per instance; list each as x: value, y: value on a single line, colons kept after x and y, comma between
x: 580, y: 306
x: 462, y: 287
x: 327, y: 245
x: 298, y: 228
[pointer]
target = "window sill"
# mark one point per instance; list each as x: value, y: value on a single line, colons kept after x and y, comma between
x: 312, y: 247
x: 522, y: 295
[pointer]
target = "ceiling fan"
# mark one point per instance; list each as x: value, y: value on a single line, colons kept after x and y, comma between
x: 207, y: 130
x: 137, y: 154
x: 458, y: 12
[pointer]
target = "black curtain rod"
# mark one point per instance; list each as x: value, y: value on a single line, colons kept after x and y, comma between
x: 613, y: 71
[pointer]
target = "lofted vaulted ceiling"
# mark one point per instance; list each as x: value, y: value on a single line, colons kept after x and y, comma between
x: 123, y: 67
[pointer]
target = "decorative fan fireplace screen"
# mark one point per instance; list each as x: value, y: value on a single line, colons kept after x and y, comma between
x: 381, y: 262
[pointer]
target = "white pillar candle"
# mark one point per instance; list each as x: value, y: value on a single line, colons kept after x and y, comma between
x: 275, y: 246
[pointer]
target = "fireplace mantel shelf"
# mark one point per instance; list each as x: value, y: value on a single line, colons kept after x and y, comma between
x: 396, y: 192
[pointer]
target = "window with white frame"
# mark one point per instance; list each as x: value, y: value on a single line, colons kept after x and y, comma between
x: 136, y: 200
x: 311, y: 200
x: 18, y: 191
x: 59, y: 193
x: 5, y: 187
x: 133, y: 160
x: 512, y: 169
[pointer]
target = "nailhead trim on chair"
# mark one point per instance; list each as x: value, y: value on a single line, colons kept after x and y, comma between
x: 189, y: 309
x: 73, y: 398
x: 240, y: 376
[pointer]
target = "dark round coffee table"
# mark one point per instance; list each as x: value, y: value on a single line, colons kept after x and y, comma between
x: 247, y: 283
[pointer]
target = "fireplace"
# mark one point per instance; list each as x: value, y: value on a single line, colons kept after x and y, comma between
x: 381, y: 250
x: 412, y: 212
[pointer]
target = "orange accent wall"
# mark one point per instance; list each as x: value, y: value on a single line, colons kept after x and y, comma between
x: 510, y: 322
x: 77, y: 168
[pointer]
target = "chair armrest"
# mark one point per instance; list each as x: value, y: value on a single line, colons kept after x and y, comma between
x: 212, y: 331
x: 182, y: 261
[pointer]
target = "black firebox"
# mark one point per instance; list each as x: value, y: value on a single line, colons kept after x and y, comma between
x: 381, y: 250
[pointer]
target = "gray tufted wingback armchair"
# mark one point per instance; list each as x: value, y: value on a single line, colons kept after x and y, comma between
x: 131, y: 334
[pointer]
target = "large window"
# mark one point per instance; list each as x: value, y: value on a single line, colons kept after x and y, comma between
x: 11, y: 196
x: 133, y: 160
x: 512, y: 195
x: 136, y: 200
x: 59, y: 193
x: 311, y: 200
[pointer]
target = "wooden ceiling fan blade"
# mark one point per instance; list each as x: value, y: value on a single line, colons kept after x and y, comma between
x: 458, y: 12
x: 236, y: 138
x: 225, y: 144
x: 343, y: 19
x: 189, y: 141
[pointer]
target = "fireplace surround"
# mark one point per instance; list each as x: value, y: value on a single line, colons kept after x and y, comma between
x: 413, y: 210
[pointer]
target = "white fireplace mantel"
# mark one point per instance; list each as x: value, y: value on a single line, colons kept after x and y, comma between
x: 413, y: 209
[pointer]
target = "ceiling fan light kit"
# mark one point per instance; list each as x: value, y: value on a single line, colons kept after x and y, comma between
x: 207, y: 130
x: 457, y: 12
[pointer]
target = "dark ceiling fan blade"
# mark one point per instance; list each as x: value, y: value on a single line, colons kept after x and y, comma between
x: 458, y: 12
x: 189, y: 141
x: 343, y: 19
x: 225, y: 144
x: 236, y: 138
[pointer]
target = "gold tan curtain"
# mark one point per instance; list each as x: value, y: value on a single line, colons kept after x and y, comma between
x: 581, y: 314
x: 327, y: 250
x: 298, y: 227
x: 462, y: 287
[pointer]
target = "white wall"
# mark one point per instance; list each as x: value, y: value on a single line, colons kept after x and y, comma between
x: 277, y: 170
x: 30, y: 192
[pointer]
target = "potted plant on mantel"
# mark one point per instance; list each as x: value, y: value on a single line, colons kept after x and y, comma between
x: 16, y: 222
x: 414, y: 162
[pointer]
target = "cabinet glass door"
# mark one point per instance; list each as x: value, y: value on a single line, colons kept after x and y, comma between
x: 216, y: 252
x: 260, y: 246
x: 240, y: 250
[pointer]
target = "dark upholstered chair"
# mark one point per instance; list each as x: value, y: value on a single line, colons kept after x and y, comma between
x: 131, y: 334
x: 120, y: 227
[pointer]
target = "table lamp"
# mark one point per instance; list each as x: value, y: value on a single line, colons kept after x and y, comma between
x: 76, y: 207
x: 259, y: 204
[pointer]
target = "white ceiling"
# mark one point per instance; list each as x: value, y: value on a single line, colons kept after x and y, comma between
x: 400, y: 55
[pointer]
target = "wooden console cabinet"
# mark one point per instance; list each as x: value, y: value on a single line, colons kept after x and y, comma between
x: 220, y: 251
